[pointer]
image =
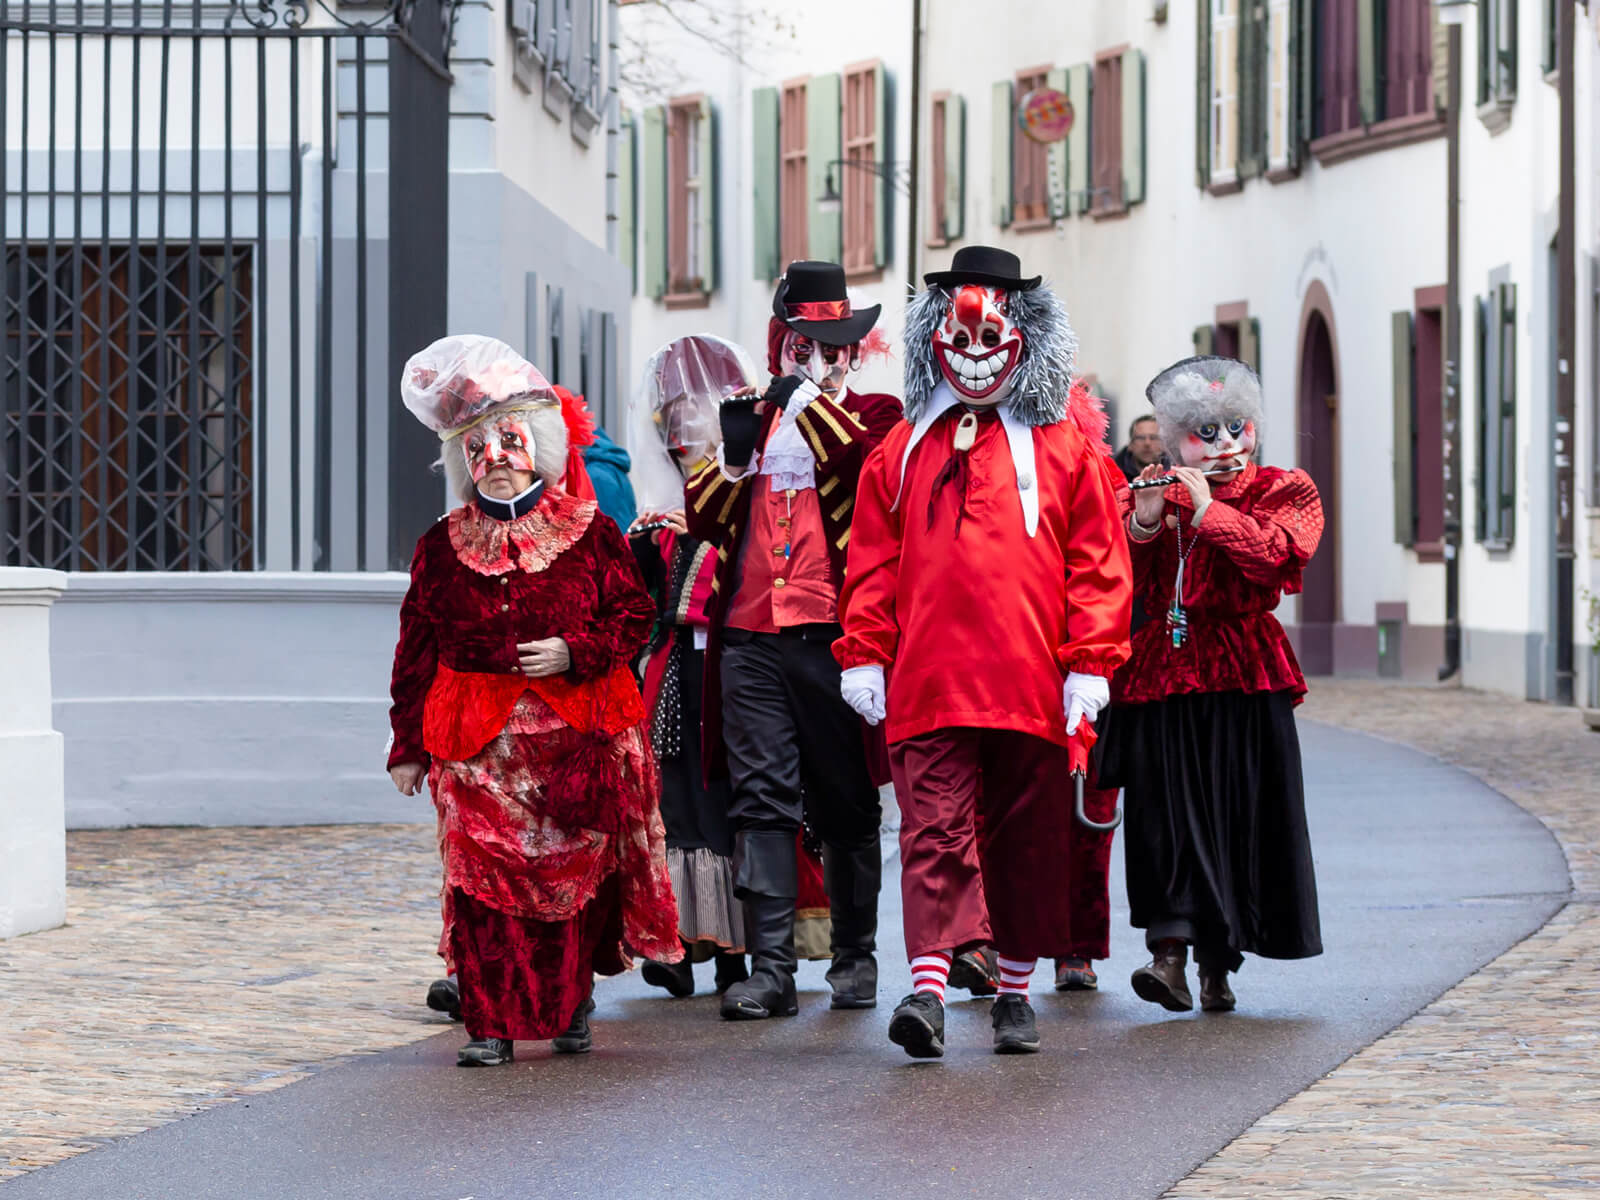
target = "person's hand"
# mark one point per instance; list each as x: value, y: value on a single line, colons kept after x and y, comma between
x: 1150, y: 503
x: 863, y: 690
x: 1199, y: 488
x: 1083, y: 696
x: 676, y: 520
x: 741, y: 424
x: 408, y: 777
x: 541, y: 659
x: 783, y: 387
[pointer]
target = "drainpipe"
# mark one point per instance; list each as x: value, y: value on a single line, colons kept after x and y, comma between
x: 913, y: 206
x: 1452, y: 364
x: 1566, y: 346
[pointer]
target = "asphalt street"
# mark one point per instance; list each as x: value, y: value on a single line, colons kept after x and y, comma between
x: 1424, y: 875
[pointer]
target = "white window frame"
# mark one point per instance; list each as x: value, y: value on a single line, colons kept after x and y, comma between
x: 1224, y: 98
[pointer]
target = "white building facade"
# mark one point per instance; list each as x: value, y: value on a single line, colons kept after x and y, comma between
x: 225, y: 230
x: 1267, y: 179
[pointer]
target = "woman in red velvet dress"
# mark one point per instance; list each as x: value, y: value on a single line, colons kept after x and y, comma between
x: 1201, y: 731
x: 513, y: 694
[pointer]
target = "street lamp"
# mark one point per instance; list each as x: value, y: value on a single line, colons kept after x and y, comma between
x: 898, y: 176
x: 1453, y: 12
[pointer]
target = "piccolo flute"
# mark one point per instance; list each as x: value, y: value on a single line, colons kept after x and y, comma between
x: 1138, y: 485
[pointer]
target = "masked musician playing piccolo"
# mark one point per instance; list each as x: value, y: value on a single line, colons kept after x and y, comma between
x: 1201, y: 732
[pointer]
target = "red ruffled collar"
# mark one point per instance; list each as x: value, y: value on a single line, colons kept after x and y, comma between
x: 530, y: 543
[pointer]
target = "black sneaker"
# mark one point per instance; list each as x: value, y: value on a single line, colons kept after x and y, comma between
x: 918, y: 1025
x: 444, y: 996
x: 577, y: 1039
x: 1015, y: 1031
x: 485, y: 1052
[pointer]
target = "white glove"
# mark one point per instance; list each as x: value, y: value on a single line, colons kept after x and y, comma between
x: 863, y: 690
x: 1084, y: 696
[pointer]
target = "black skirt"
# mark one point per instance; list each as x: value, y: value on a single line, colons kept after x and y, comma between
x: 695, y: 816
x: 1215, y: 835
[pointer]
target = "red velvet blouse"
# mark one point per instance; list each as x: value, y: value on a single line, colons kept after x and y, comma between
x: 557, y: 572
x: 1256, y: 537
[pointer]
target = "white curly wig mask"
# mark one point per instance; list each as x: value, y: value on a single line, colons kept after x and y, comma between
x: 1200, y: 391
x: 1043, y: 379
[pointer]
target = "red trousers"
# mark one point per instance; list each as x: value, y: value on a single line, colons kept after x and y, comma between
x: 990, y: 851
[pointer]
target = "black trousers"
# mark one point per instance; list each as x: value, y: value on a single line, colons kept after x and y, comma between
x: 795, y: 749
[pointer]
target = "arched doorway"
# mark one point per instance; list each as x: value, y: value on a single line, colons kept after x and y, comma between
x: 1318, y: 412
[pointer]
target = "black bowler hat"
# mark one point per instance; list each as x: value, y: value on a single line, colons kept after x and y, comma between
x: 987, y: 266
x: 811, y: 300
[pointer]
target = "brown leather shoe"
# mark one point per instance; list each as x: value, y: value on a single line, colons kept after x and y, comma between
x: 1163, y: 982
x: 1215, y: 994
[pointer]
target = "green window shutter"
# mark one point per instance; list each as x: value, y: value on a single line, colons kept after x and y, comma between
x: 764, y: 105
x: 1250, y: 343
x: 1506, y: 411
x: 1485, y: 381
x: 884, y: 209
x: 1304, y: 60
x: 1133, y: 127
x: 1252, y: 95
x: 1080, y: 90
x: 1369, y: 60
x: 627, y: 201
x: 708, y: 197
x: 1291, y: 81
x: 1202, y: 339
x: 825, y: 230
x: 955, y: 166
x: 1405, y: 505
x: 1202, y: 94
x: 1059, y: 170
x: 1002, y: 125
x: 1486, y: 55
x: 653, y: 200
x: 1551, y: 35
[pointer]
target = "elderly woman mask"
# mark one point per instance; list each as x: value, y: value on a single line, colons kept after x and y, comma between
x: 1209, y: 410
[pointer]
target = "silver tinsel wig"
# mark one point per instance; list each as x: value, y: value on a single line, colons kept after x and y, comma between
x: 1195, y: 391
x: 1043, y: 378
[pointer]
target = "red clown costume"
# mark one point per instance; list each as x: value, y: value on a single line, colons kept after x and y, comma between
x: 986, y: 605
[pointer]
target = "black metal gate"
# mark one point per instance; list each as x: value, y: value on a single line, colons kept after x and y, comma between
x: 224, y: 230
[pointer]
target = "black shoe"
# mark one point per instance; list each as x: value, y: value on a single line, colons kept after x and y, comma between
x: 677, y: 978
x: 1015, y: 1031
x: 1076, y: 975
x: 485, y: 1052
x: 975, y: 971
x: 765, y: 994
x: 445, y: 997
x: 577, y: 1039
x: 918, y: 1025
x: 730, y: 970
x: 854, y: 980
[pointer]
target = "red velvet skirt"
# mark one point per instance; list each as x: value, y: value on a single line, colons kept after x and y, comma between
x: 523, y: 979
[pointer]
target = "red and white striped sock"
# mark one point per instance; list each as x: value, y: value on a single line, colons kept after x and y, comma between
x: 929, y: 972
x: 1014, y: 975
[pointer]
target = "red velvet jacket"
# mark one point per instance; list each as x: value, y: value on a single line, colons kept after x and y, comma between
x: 557, y: 572
x: 1256, y: 537
x: 841, y: 432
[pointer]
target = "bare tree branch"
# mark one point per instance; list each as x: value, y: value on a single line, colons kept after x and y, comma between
x: 724, y: 26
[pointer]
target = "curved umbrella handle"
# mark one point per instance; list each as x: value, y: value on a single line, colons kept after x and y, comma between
x: 1083, y: 817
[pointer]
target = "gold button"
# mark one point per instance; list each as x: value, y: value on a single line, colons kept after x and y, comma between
x: 504, y: 579
x: 783, y: 522
x: 778, y: 550
x: 505, y: 608
x: 789, y: 494
x: 777, y: 583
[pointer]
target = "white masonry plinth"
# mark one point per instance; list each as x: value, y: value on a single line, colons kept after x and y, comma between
x: 33, y: 830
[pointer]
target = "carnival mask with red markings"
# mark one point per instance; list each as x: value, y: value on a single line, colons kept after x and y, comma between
x: 1209, y: 409
x: 825, y: 365
x: 503, y: 441
x: 978, y: 347
x: 1221, y: 445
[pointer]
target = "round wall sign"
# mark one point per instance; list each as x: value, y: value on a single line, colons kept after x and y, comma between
x: 1045, y: 115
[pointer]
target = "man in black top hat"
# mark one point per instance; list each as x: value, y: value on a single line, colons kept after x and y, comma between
x: 778, y: 505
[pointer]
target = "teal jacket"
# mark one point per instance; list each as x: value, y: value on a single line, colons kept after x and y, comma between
x: 608, y: 465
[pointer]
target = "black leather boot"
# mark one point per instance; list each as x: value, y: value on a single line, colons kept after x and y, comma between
x: 852, y: 879
x: 677, y: 978
x: 770, y: 991
x: 578, y: 1039
x: 766, y: 878
x: 731, y: 969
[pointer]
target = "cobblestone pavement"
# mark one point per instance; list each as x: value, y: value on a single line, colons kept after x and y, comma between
x: 1493, y: 1089
x: 199, y: 966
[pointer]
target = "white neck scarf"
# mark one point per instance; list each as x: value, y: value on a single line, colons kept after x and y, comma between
x: 787, y: 459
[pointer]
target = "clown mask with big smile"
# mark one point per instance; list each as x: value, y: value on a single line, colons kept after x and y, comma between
x: 978, y: 347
